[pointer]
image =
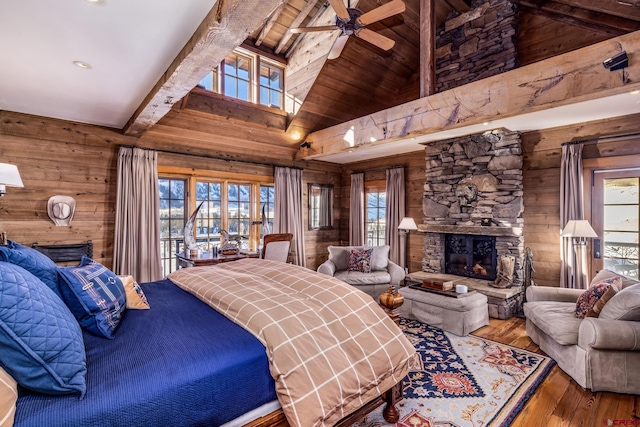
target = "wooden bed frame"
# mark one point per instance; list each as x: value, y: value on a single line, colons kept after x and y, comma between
x: 67, y: 252
x: 390, y: 413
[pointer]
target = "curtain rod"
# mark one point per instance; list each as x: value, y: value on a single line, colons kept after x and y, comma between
x: 600, y: 139
x: 215, y: 158
x: 378, y: 169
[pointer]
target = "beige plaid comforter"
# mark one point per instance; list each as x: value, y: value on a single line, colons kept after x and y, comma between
x: 331, y: 348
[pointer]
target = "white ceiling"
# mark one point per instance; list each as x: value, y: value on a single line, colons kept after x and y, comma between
x: 128, y: 43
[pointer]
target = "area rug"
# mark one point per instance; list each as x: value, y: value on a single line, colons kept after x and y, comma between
x: 463, y: 381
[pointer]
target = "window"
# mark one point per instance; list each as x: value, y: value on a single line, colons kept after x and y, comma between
x: 375, y: 213
x: 248, y: 76
x: 229, y: 202
x: 172, y: 220
x: 271, y: 90
x: 267, y: 206
x: 616, y: 219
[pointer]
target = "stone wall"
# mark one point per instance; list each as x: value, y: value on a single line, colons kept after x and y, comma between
x: 477, y: 44
x: 474, y: 186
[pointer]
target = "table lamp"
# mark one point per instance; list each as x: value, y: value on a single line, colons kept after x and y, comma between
x: 9, y: 177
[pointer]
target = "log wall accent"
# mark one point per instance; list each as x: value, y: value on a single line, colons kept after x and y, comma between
x: 542, y: 153
x: 55, y: 157
x: 59, y: 157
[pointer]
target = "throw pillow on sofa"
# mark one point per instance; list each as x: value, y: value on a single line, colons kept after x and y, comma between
x: 591, y: 301
x: 340, y: 255
x: 606, y: 274
x: 360, y: 260
x: 95, y: 296
x: 41, y: 341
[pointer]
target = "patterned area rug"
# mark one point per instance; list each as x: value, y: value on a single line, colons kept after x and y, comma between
x: 463, y: 381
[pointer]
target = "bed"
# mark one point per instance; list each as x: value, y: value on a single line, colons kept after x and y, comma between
x: 184, y: 363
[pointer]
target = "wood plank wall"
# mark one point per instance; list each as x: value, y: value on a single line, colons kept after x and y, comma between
x: 541, y: 177
x: 55, y: 157
x: 59, y: 157
x: 414, y: 172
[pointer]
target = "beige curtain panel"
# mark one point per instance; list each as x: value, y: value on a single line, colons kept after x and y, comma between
x: 572, y: 275
x: 136, y: 249
x: 288, y: 215
x: 395, y: 211
x: 356, y: 210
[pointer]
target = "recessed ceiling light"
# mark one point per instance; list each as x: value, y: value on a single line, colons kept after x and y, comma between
x: 485, y: 124
x: 634, y: 92
x: 97, y: 2
x: 82, y: 64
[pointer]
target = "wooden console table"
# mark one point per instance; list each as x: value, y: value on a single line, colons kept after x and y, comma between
x: 206, y: 258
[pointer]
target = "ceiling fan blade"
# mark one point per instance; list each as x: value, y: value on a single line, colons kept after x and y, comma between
x: 379, y: 13
x: 313, y: 29
x: 337, y: 47
x: 340, y: 9
x: 383, y: 42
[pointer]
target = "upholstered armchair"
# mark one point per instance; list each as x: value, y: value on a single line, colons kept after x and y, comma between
x: 383, y: 272
x: 600, y: 353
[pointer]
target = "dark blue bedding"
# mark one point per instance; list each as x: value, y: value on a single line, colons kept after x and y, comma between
x: 181, y: 363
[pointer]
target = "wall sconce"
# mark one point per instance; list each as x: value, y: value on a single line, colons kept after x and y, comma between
x: 9, y: 177
x: 404, y: 228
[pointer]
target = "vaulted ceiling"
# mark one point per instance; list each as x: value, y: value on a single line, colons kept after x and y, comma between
x: 146, y: 56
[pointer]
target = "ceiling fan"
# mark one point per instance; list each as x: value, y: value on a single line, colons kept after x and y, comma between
x: 352, y: 21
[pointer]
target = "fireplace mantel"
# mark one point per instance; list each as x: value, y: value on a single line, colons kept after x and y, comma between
x: 471, y: 229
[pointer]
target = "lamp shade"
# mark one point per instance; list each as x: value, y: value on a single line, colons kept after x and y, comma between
x: 407, y: 224
x: 578, y: 228
x: 10, y: 176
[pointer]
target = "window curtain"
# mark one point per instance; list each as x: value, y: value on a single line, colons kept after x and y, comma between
x: 288, y: 216
x: 356, y: 210
x: 136, y: 244
x: 395, y: 211
x: 573, y: 274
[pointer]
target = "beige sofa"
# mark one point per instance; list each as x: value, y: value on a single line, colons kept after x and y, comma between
x: 599, y: 353
x: 383, y: 271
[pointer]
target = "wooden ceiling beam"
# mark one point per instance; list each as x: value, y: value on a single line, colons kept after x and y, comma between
x: 587, y: 19
x: 306, y: 10
x: 225, y: 27
x: 629, y: 9
x: 267, y: 27
x: 427, y: 48
x: 566, y: 79
x: 459, y: 6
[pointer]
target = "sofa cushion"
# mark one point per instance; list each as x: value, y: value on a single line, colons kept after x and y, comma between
x: 555, y: 319
x: 625, y: 305
x: 593, y: 299
x: 360, y: 260
x: 359, y: 278
x: 626, y: 281
x: 339, y: 255
x: 33, y: 261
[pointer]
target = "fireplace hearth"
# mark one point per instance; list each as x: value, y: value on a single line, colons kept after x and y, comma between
x: 471, y: 256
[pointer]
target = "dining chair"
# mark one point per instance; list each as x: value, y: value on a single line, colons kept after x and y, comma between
x: 276, y: 246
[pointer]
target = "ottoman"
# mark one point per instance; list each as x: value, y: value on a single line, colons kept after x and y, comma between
x: 460, y: 315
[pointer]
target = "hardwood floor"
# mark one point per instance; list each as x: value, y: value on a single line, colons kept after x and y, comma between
x: 560, y: 401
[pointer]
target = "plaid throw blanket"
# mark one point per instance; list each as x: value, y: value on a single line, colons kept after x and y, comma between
x: 331, y: 348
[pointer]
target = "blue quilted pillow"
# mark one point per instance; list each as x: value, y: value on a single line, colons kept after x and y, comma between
x: 33, y: 261
x: 40, y: 340
x: 95, y: 296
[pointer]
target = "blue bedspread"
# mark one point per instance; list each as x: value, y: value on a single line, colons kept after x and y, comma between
x: 179, y: 364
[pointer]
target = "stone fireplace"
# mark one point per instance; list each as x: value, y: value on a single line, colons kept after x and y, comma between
x: 474, y: 187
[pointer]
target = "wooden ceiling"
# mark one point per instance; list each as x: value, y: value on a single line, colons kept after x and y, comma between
x: 365, y: 79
